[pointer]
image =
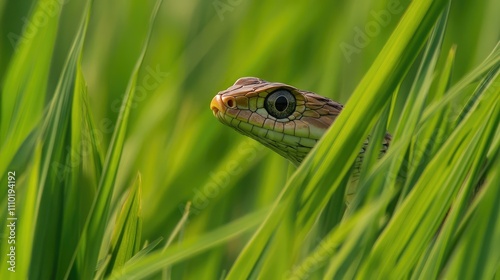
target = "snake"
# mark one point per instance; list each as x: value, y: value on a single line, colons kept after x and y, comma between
x: 283, y: 118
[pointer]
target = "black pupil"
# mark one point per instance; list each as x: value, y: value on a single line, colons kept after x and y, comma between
x: 281, y: 103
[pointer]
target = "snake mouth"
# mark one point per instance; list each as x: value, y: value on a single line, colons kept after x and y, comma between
x: 215, y: 110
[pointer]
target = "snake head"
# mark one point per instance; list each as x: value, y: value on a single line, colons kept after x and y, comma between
x: 287, y: 120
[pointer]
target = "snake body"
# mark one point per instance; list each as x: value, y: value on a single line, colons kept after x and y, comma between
x: 288, y: 120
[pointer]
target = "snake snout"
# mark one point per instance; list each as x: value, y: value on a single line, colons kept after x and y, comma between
x: 216, y: 105
x: 221, y: 103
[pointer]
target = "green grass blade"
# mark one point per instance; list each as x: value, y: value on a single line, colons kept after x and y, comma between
x: 99, y: 214
x: 457, y: 90
x: 53, y: 180
x: 79, y: 170
x: 157, y: 260
x: 434, y: 133
x: 432, y: 264
x: 366, y: 191
x: 476, y: 255
x: 426, y: 205
x: 126, y: 239
x: 416, y: 99
x: 25, y: 205
x: 24, y: 85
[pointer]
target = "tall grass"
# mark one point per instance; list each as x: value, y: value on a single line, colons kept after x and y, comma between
x: 119, y: 170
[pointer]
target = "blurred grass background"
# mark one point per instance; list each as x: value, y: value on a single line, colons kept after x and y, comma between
x: 196, y: 49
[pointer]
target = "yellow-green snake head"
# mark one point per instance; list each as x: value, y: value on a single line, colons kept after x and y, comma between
x: 288, y: 120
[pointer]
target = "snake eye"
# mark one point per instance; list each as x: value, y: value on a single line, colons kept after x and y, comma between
x: 280, y: 103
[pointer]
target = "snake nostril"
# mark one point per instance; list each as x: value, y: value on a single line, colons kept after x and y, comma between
x: 229, y: 101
